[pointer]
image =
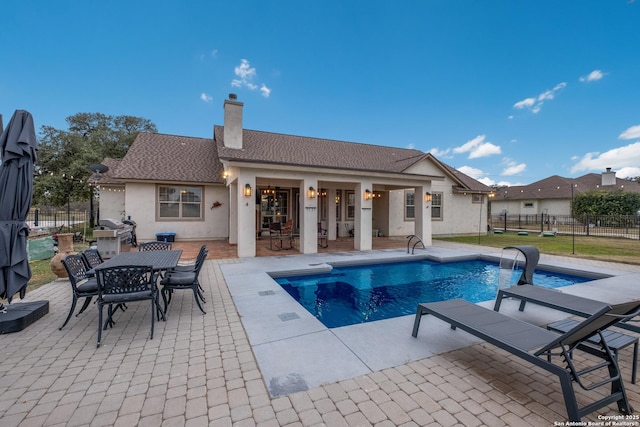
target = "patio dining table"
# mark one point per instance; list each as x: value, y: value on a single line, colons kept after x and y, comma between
x: 158, y: 260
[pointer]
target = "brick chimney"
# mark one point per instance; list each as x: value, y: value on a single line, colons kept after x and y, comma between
x: 608, y: 178
x: 233, y: 122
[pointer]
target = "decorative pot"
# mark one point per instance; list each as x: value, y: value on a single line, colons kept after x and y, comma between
x: 65, y: 247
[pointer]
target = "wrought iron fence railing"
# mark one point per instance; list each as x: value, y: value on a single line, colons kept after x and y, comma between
x: 55, y: 220
x: 618, y: 226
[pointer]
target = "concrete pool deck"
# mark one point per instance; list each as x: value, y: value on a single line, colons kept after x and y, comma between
x: 217, y: 369
x: 295, y: 351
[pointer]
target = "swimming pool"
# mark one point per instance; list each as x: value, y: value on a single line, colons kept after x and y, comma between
x: 358, y: 294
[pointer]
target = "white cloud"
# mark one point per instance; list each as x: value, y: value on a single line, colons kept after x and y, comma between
x: 474, y: 173
x: 487, y: 181
x: 628, y: 172
x: 631, y: 133
x: 265, y: 90
x: 525, y: 103
x: 205, y: 97
x: 438, y: 152
x: 245, y: 76
x: 478, y: 147
x: 593, y: 76
x: 534, y: 104
x: 514, y: 168
x: 214, y: 53
x: 616, y: 158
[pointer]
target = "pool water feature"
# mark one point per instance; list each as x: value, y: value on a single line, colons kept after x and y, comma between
x: 365, y: 293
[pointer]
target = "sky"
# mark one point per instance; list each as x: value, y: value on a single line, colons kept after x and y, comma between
x: 508, y: 92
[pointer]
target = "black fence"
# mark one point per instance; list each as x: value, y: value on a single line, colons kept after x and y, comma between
x: 43, y: 221
x: 617, y: 226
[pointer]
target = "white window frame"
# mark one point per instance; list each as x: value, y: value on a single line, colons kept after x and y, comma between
x: 180, y: 190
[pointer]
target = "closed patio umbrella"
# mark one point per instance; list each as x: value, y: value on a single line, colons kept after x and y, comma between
x: 18, y: 146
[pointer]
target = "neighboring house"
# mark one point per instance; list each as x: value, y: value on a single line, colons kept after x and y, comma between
x: 235, y: 185
x: 553, y: 195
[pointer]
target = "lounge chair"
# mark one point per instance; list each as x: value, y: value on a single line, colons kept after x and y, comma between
x: 538, y: 346
x: 552, y: 298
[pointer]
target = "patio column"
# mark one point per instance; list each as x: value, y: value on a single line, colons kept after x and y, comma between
x: 423, y: 214
x: 331, y: 214
x: 308, y: 217
x: 363, y: 217
x: 246, y: 203
x: 233, y: 212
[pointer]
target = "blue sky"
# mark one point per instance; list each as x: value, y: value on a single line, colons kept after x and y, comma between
x: 509, y: 92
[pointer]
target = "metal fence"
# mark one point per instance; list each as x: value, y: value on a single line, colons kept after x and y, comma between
x: 617, y: 226
x: 55, y: 220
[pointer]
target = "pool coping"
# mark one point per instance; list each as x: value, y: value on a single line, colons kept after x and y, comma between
x: 295, y: 351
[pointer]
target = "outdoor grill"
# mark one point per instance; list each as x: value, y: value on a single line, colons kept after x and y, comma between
x: 111, y: 235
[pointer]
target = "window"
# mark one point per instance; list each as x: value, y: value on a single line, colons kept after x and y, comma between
x: 409, y: 205
x: 179, y: 202
x: 351, y: 205
x: 338, y: 205
x: 436, y: 206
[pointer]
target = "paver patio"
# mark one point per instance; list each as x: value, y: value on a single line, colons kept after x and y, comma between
x: 200, y: 370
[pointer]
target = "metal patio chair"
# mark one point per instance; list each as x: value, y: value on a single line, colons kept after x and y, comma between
x: 123, y: 285
x: 154, y: 246
x: 177, y: 279
x: 81, y: 285
x: 92, y: 258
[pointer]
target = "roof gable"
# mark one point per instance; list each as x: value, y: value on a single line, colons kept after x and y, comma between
x: 161, y: 157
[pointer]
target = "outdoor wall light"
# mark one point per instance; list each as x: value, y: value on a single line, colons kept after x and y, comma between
x: 247, y: 190
x: 427, y: 197
x: 367, y: 194
x: 311, y: 193
x: 225, y: 175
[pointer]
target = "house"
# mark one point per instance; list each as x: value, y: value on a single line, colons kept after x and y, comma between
x: 553, y: 195
x: 234, y: 185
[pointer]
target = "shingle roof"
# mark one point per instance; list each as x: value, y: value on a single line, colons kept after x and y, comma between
x: 274, y: 148
x: 161, y: 157
x: 466, y: 182
x: 107, y: 177
x: 557, y: 187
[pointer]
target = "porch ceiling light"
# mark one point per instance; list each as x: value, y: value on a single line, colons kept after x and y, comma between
x: 247, y: 190
x: 367, y: 194
x: 311, y: 193
x: 427, y: 197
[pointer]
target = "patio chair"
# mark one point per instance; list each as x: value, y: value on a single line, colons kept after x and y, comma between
x: 175, y: 279
x: 125, y: 284
x: 538, y: 346
x: 557, y: 300
x: 349, y: 229
x: 92, y: 258
x: 154, y: 246
x: 322, y: 236
x: 191, y: 266
x: 81, y: 285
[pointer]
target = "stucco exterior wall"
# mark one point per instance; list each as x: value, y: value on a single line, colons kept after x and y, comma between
x: 140, y: 200
x: 112, y: 203
x: 517, y: 207
x: 460, y: 215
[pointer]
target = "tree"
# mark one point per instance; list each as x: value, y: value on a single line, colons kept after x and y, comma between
x: 64, y: 155
x: 600, y: 202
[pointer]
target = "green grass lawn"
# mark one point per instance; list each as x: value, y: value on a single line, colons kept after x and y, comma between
x: 599, y: 248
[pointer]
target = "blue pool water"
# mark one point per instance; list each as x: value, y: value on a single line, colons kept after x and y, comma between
x: 358, y: 294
